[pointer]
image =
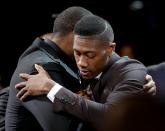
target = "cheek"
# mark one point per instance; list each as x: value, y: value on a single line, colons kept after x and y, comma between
x: 98, y: 64
x: 72, y: 52
x: 76, y: 58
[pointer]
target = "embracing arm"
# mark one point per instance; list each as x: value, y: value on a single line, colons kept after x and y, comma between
x: 96, y: 114
x: 99, y: 114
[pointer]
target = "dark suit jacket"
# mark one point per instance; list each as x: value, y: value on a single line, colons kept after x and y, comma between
x: 37, y: 113
x: 123, y: 77
x: 158, y: 74
x: 4, y: 94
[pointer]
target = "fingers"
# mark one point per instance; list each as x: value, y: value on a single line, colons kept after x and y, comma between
x: 20, y: 85
x: 150, y: 87
x: 150, y: 82
x: 148, y: 77
x: 152, y: 91
x: 25, y: 95
x: 24, y: 76
x: 21, y: 93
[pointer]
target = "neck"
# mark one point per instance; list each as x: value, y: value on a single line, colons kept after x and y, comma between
x: 63, y: 42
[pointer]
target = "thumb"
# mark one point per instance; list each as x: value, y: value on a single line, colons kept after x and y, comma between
x: 39, y: 68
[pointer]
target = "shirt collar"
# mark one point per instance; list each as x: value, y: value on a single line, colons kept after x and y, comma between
x: 98, y: 76
x: 63, y: 56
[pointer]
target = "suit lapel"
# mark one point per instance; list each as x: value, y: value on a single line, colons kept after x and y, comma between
x: 100, y: 85
x: 47, y: 48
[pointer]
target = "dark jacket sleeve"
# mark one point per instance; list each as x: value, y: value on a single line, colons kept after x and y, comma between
x: 4, y: 94
x: 98, y: 114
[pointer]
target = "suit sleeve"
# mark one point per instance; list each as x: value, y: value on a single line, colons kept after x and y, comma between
x: 100, y: 114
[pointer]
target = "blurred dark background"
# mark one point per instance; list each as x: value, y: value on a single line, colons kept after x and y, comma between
x: 136, y: 23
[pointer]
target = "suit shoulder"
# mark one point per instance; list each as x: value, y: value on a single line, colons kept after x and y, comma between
x: 126, y: 63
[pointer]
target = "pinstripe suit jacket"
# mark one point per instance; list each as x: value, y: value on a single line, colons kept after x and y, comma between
x: 123, y: 77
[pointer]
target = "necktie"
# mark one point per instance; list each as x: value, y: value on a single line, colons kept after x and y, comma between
x: 93, y: 83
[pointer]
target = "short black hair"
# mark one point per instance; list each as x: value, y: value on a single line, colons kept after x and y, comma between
x: 66, y: 20
x: 95, y: 27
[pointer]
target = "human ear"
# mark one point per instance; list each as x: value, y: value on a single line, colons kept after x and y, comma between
x: 111, y: 48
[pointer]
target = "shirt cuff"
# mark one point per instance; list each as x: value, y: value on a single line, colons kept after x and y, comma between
x: 54, y: 91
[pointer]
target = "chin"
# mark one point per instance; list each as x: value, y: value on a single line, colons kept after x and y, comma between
x: 87, y: 77
x: 84, y: 77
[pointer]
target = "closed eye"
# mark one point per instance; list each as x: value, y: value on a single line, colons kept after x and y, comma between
x: 77, y: 53
x: 90, y: 55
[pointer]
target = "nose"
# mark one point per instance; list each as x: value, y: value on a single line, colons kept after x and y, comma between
x: 82, y: 62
